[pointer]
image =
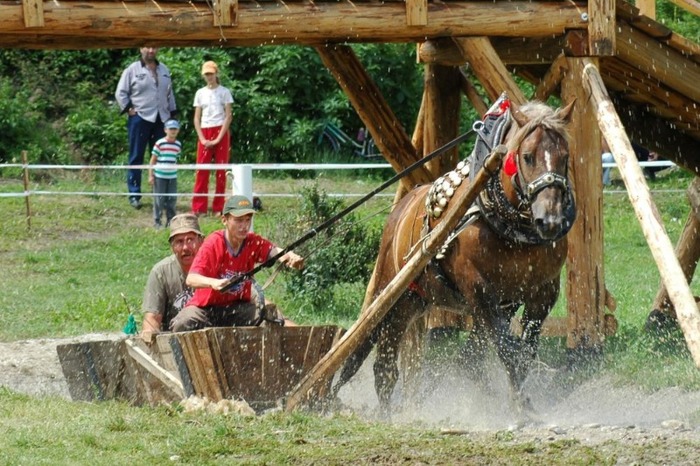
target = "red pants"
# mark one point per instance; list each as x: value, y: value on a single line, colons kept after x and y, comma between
x: 217, y: 154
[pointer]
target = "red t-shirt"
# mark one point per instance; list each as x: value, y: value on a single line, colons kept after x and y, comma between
x: 216, y: 259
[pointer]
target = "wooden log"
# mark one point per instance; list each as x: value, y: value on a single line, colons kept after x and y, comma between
x: 688, y: 5
x: 489, y: 68
x: 277, y: 22
x: 585, y: 283
x: 647, y: 8
x: 659, y: 61
x: 441, y: 125
x: 687, y: 249
x: 661, y: 248
x: 310, y: 386
x: 551, y: 79
x: 389, y: 136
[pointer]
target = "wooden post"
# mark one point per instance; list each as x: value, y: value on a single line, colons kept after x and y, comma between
x: 26, y: 190
x: 225, y: 12
x: 312, y: 383
x: 585, y: 283
x: 687, y: 248
x: 416, y: 12
x: 601, y: 27
x: 661, y: 248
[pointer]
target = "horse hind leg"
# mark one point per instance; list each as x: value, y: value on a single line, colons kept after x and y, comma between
x: 391, y: 333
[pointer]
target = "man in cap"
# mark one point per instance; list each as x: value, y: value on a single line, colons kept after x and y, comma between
x: 227, y: 254
x: 166, y: 292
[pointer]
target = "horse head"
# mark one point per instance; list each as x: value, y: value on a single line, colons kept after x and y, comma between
x: 535, y: 170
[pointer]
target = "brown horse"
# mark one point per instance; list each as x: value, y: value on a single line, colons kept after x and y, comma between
x: 507, y: 253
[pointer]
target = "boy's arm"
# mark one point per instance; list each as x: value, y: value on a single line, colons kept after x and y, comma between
x: 151, y: 176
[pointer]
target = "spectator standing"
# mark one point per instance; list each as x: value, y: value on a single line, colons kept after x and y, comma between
x: 162, y: 174
x: 212, y: 119
x: 166, y: 292
x: 227, y: 254
x: 145, y: 94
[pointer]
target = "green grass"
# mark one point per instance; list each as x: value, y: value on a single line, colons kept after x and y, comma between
x: 66, y: 276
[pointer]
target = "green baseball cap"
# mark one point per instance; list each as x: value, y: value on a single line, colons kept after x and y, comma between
x: 238, y: 206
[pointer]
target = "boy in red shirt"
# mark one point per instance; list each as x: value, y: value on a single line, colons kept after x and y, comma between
x: 224, y: 255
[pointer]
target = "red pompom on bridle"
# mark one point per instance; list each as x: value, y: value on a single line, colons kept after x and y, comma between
x: 510, y: 168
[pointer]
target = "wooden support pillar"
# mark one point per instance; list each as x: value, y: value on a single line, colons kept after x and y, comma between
x: 416, y: 12
x: 551, y: 79
x: 687, y: 248
x: 441, y: 125
x: 585, y: 280
x: 646, y: 211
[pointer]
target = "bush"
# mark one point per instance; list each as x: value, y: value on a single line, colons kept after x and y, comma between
x: 343, y: 254
x: 95, y: 130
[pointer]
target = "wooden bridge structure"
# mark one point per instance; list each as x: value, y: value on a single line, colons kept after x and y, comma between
x: 631, y: 78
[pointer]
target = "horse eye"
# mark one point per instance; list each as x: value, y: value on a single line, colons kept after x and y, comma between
x: 528, y: 157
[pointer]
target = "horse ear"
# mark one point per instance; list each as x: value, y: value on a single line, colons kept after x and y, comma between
x: 565, y: 113
x: 517, y: 115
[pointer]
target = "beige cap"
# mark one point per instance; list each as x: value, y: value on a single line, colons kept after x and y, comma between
x: 184, y: 223
x: 209, y: 67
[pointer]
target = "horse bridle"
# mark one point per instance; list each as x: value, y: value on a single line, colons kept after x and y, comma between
x: 527, y: 193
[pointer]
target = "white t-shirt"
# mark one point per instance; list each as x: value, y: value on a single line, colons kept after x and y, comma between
x: 213, y: 103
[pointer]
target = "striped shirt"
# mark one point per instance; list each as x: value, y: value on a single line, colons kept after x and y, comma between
x: 166, y: 153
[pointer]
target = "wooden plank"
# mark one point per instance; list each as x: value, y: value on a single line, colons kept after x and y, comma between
x: 152, y: 366
x: 650, y: 220
x: 225, y: 13
x: 96, y: 371
x: 314, y: 382
x: 33, y: 11
x: 585, y: 284
x: 272, y: 360
x: 193, y: 362
x: 416, y: 12
x: 181, y: 366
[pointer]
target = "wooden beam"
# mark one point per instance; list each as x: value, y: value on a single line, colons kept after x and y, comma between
x: 659, y: 61
x: 647, y: 8
x: 601, y: 27
x: 585, y: 284
x: 364, y: 95
x: 277, y: 22
x: 225, y: 13
x: 489, y: 68
x: 650, y: 220
x: 416, y: 12
x: 472, y: 94
x: 639, y: 87
x: 33, y: 11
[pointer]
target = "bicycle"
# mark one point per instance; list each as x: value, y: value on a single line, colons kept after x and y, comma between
x: 363, y: 144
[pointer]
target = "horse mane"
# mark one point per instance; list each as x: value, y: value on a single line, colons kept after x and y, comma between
x: 546, y: 116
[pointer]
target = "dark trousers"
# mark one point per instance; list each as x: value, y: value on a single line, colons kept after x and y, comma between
x: 142, y: 135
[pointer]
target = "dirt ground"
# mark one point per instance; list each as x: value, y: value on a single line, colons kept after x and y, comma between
x: 634, y: 426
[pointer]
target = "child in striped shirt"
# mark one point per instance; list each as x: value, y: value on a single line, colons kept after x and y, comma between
x: 162, y: 174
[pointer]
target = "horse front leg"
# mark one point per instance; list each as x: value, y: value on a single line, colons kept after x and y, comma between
x: 537, y: 307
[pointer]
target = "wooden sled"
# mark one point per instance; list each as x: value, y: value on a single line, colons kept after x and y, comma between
x: 260, y: 365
